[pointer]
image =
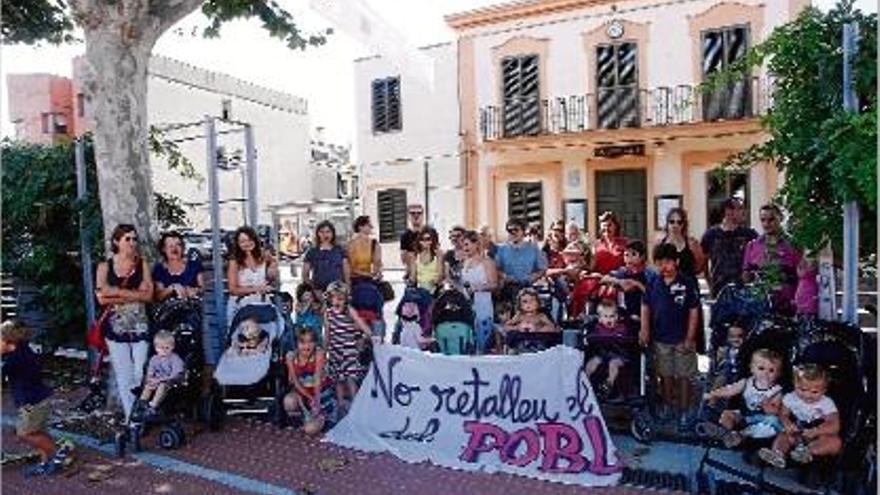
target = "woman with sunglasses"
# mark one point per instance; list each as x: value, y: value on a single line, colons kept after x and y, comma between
x: 426, y: 269
x: 124, y: 287
x: 480, y: 276
x: 690, y: 255
x: 364, y: 252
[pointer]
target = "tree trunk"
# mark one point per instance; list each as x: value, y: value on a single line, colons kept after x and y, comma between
x: 117, y: 83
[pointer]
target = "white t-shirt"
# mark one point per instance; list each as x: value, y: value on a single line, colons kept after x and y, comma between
x: 808, y: 413
x: 754, y: 397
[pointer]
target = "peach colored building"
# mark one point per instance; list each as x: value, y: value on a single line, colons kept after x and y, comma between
x: 41, y: 107
x: 572, y: 107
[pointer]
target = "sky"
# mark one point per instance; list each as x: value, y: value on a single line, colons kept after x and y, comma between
x: 323, y: 75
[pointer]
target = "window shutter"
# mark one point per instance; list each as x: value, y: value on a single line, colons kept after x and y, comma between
x: 526, y: 200
x: 393, y: 98
x: 380, y: 124
x: 521, y: 94
x: 392, y: 213
x: 617, y: 92
x: 722, y: 47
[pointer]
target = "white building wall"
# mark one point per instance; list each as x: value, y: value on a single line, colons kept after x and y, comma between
x: 430, y: 124
x: 182, y: 93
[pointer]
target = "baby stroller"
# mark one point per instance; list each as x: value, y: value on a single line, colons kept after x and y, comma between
x: 453, y: 317
x: 183, y: 318
x: 250, y: 382
x: 736, y: 303
x: 367, y: 300
x: 422, y: 301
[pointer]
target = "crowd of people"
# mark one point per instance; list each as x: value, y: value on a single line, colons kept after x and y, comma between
x: 608, y: 278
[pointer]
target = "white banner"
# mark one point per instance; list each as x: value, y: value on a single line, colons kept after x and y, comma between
x: 532, y: 415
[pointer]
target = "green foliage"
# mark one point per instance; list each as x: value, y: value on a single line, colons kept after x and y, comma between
x: 41, y: 238
x: 32, y: 21
x: 828, y: 155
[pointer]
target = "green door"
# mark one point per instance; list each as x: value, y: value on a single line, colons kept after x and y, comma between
x: 625, y: 193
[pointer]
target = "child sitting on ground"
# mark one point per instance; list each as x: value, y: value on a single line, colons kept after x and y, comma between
x: 163, y: 371
x: 727, y: 356
x: 312, y: 394
x: 761, y: 395
x: 609, y: 348
x: 31, y: 396
x: 309, y: 310
x: 529, y: 317
x: 809, y: 418
x: 252, y: 339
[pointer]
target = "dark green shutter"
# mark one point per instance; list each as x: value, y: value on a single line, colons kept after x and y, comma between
x: 392, y: 213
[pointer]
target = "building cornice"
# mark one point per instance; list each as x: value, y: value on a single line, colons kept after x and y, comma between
x: 517, y: 10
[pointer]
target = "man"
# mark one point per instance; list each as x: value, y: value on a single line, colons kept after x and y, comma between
x: 670, y: 314
x: 772, y: 261
x: 724, y: 245
x: 520, y: 262
x: 454, y: 258
x: 409, y: 239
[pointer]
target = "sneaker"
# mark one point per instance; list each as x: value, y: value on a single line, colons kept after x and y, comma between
x: 47, y: 468
x: 732, y: 439
x: 801, y: 454
x: 772, y: 457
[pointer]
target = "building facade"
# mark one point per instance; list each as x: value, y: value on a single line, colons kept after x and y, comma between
x: 573, y: 107
x: 41, y: 107
x: 407, y: 144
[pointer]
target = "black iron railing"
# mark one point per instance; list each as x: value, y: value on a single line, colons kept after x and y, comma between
x: 625, y: 108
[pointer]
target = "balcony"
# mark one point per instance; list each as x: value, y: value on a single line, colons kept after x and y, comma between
x: 625, y: 108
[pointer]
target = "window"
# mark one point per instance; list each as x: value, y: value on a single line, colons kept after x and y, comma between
x: 521, y: 95
x: 719, y: 187
x: 80, y: 105
x: 526, y: 200
x: 392, y: 214
x: 617, y: 85
x: 45, y: 121
x: 386, y: 105
x: 60, y: 124
x: 226, y: 109
x: 721, y: 48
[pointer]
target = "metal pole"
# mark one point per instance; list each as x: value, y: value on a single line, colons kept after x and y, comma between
x: 85, y: 247
x: 851, y: 209
x: 251, y: 158
x: 216, y: 241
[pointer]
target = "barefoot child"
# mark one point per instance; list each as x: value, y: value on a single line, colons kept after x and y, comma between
x: 312, y: 394
x: 31, y: 397
x: 810, y: 419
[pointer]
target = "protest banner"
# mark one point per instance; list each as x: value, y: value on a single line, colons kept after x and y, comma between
x: 532, y: 415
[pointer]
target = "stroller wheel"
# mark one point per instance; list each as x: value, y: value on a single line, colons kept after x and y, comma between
x: 642, y: 428
x: 119, y: 441
x: 169, y: 438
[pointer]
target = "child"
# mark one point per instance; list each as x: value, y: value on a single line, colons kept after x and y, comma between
x: 309, y: 310
x: 31, y: 396
x: 411, y: 334
x: 726, y: 357
x: 252, y: 339
x: 610, y: 352
x: 529, y: 317
x: 761, y: 396
x: 346, y: 334
x: 670, y: 312
x: 815, y: 430
x: 632, y: 279
x: 163, y: 370
x: 312, y: 393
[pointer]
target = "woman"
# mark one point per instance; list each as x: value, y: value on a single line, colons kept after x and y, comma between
x: 487, y: 240
x: 690, y: 254
x: 480, y: 277
x: 609, y: 247
x: 553, y: 246
x: 252, y: 271
x: 364, y: 252
x: 124, y: 286
x: 326, y: 262
x: 426, y: 268
x: 176, y: 275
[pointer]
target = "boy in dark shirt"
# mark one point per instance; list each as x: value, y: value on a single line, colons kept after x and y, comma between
x: 670, y: 312
x: 633, y: 279
x: 31, y: 397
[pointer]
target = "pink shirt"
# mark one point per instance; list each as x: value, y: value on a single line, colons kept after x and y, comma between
x: 757, y: 256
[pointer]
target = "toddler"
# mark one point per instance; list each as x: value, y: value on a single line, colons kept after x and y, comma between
x: 31, y: 396
x: 163, y: 371
x: 611, y: 352
x: 529, y: 317
x: 726, y: 357
x: 761, y: 397
x: 309, y: 310
x: 312, y: 394
x: 252, y: 339
x: 811, y: 424
x: 411, y: 333
x: 346, y: 334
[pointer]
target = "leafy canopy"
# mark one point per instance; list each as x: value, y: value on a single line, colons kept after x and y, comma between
x: 828, y: 155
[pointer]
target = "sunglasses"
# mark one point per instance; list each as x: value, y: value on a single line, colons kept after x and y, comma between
x: 676, y: 222
x: 513, y: 230
x: 426, y: 239
x: 767, y: 219
x: 415, y: 213
x: 130, y: 238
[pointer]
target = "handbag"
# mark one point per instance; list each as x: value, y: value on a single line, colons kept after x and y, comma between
x: 95, y: 337
x: 386, y: 290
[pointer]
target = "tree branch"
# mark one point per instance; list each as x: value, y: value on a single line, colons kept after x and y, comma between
x: 169, y: 12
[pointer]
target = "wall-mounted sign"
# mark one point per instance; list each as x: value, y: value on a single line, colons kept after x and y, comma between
x: 619, y: 150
